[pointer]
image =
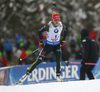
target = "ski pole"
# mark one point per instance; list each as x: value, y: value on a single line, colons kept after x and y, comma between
x: 29, y: 54
x: 71, y: 62
x: 92, y: 64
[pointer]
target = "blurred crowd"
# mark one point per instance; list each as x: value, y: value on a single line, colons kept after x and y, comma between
x: 25, y: 45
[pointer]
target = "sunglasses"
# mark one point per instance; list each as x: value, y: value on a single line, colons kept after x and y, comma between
x: 56, y: 19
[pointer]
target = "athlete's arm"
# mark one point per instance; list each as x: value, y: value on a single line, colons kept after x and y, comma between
x: 65, y: 29
x: 45, y: 28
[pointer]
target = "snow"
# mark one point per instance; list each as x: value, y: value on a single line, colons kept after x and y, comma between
x: 97, y: 6
x: 71, y: 86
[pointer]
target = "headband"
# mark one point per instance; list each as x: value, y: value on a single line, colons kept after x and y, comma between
x: 56, y: 16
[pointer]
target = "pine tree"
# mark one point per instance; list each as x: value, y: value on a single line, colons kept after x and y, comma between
x: 26, y: 15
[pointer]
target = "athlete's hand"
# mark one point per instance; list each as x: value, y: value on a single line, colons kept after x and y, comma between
x: 63, y: 43
x: 83, y: 62
x: 41, y: 44
x: 67, y: 63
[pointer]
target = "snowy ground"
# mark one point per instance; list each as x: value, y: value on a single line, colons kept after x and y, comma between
x: 72, y: 86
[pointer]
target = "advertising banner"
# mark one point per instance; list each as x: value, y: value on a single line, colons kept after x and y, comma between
x: 4, y: 76
x: 45, y: 72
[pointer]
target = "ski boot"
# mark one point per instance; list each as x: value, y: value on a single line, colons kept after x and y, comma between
x: 58, y: 79
x: 24, y: 77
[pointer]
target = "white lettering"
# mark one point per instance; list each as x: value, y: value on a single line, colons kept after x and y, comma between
x: 34, y: 75
x: 41, y: 73
x: 74, y: 71
x: 67, y: 72
x: 52, y: 73
x: 63, y: 73
x: 47, y: 73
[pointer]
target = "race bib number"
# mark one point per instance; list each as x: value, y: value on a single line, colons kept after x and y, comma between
x: 54, y: 37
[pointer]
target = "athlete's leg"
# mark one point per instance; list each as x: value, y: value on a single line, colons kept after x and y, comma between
x: 40, y: 58
x: 46, y: 50
x: 57, y: 52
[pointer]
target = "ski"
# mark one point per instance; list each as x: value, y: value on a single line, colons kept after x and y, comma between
x: 17, y: 83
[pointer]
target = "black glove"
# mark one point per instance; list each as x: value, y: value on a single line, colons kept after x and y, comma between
x: 67, y: 63
x: 83, y: 62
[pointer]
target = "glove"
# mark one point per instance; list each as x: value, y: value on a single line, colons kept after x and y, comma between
x: 67, y: 63
x: 41, y: 44
x: 83, y: 62
x: 63, y: 43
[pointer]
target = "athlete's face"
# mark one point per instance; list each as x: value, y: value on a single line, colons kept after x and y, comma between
x: 56, y: 21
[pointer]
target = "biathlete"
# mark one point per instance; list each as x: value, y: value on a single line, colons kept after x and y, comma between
x: 54, y: 29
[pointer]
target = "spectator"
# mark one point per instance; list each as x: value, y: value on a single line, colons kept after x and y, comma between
x: 18, y: 53
x: 8, y: 49
x: 92, y: 34
x: 32, y: 46
x: 4, y: 61
x: 89, y: 55
x: 0, y: 63
x: 99, y: 38
x: 28, y: 51
x: 1, y: 47
x: 27, y: 38
x: 31, y: 57
x: 99, y: 44
x: 23, y: 54
x: 65, y: 54
x: 78, y: 40
x: 36, y: 41
x: 33, y: 36
x: 17, y: 40
x: 78, y: 54
x: 22, y: 43
x: 0, y: 55
x: 72, y: 43
x: 26, y: 42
